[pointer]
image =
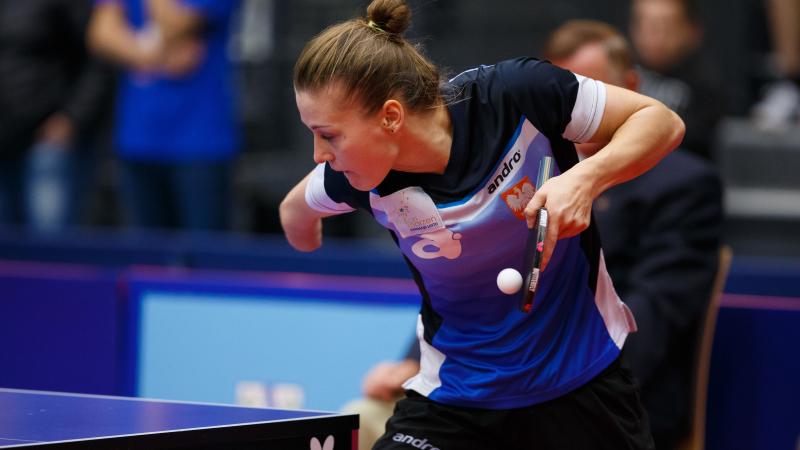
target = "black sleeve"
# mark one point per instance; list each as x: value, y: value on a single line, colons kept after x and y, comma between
x: 669, y: 285
x: 544, y: 93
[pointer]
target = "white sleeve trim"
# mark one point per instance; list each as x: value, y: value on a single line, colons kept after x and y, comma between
x: 318, y: 199
x: 590, y: 105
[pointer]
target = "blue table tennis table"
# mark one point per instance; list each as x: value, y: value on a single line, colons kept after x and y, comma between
x: 52, y: 420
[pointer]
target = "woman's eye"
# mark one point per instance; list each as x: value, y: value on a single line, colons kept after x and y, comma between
x: 327, y: 137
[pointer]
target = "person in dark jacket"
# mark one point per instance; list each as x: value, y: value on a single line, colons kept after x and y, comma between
x: 661, y: 236
x: 52, y: 95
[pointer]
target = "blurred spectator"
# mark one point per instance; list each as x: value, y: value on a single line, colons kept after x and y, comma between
x: 667, y: 35
x: 661, y: 236
x: 780, y: 105
x: 176, y: 128
x: 52, y: 95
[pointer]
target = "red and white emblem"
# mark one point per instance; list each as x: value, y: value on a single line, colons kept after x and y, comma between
x: 518, y: 196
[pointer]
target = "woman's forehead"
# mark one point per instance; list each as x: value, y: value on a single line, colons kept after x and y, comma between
x: 326, y: 107
x: 333, y: 91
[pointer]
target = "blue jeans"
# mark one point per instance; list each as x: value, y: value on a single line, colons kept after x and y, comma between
x: 191, y: 196
x: 43, y: 189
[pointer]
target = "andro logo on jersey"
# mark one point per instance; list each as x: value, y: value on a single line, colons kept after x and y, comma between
x: 421, y: 444
x: 504, y: 172
x: 518, y: 196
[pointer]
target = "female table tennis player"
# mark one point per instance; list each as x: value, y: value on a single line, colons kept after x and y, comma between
x: 447, y: 167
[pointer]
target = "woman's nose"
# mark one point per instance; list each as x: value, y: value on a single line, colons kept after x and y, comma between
x: 321, y: 152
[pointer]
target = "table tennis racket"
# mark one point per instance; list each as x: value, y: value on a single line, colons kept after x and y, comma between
x: 534, y: 245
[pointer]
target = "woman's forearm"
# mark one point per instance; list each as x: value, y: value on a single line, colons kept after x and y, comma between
x: 301, y: 224
x: 637, y: 145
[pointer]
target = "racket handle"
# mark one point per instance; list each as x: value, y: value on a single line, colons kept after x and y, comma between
x: 531, y: 281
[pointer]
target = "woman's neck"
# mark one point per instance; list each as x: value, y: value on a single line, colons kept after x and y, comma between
x: 425, y: 142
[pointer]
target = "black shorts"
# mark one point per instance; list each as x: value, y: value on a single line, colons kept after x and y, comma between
x: 605, y: 413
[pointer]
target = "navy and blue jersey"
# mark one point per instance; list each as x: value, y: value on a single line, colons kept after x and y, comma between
x: 458, y: 229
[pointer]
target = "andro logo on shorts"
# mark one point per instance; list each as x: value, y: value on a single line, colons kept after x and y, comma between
x: 421, y: 444
x: 518, y: 196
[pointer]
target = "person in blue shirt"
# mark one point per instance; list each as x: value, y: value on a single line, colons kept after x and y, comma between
x: 176, y: 130
x: 447, y: 169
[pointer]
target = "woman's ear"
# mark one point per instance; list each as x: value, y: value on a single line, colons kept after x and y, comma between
x: 393, y: 115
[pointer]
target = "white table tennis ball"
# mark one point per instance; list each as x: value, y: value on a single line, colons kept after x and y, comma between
x: 509, y: 281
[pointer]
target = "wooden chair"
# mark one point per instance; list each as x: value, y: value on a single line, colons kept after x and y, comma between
x: 697, y: 428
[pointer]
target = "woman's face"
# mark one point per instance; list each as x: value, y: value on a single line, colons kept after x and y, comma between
x: 352, y: 142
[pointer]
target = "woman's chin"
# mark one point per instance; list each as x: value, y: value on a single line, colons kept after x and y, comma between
x: 359, y: 183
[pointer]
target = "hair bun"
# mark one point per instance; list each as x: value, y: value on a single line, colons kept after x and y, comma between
x: 392, y: 16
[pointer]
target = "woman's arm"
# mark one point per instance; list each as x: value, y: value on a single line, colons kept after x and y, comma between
x: 301, y: 224
x: 635, y: 133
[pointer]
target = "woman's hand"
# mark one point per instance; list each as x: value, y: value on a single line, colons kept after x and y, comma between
x: 568, y: 199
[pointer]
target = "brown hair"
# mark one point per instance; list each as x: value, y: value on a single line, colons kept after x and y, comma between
x: 574, y: 34
x: 371, y: 59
